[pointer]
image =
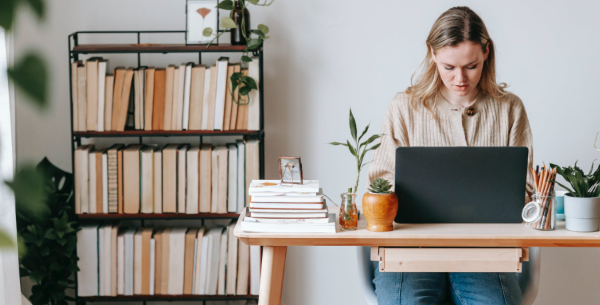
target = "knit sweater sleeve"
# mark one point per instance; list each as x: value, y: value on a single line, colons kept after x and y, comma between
x: 383, y: 164
x: 520, y: 135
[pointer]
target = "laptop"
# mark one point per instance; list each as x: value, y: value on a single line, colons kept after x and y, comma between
x: 460, y: 184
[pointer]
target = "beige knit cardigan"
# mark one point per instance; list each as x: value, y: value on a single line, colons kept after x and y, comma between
x: 494, y: 123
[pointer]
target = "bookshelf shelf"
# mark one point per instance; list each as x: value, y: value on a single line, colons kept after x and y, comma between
x: 154, y: 48
x: 156, y: 216
x: 164, y: 133
x: 184, y: 297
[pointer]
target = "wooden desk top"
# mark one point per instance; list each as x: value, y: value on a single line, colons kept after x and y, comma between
x: 429, y: 235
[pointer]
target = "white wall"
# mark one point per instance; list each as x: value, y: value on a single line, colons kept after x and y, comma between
x: 326, y: 56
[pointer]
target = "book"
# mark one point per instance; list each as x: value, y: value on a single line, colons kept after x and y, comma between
x: 92, y: 93
x: 137, y: 262
x: 241, y: 177
x: 255, y: 258
x: 84, y: 178
x: 263, y: 186
x: 212, y: 96
x: 259, y: 226
x: 222, y: 262
x: 169, y: 83
x: 243, y: 272
x: 112, y: 177
x: 206, y: 96
x: 205, y: 178
x: 232, y: 259
x: 104, y: 259
x: 254, y: 95
x: 114, y: 239
x: 169, y: 172
x: 186, y: 95
x: 131, y: 179
x: 87, y: 276
x: 158, y: 259
x: 99, y: 180
x: 120, y: 181
x: 252, y: 163
x: 234, y: 104
x: 158, y: 108
x: 188, y: 265
x: 92, y: 184
x: 149, y: 98
x: 232, y: 177
x: 286, y: 205
x: 81, y: 98
x: 78, y: 180
x: 193, y: 182
x: 158, y: 181
x: 196, y: 97
x: 117, y: 94
x: 74, y: 103
x: 286, y: 198
x: 176, y: 260
x: 108, y: 98
x: 121, y: 263
x: 321, y: 220
x: 182, y: 177
x: 147, y: 179
x: 165, y: 261
x: 214, y: 187
x: 199, y: 260
x: 228, y: 99
x: 221, y: 88
x: 102, y: 67
x: 288, y: 215
x: 242, y: 115
x: 204, y: 263
x: 152, y: 265
x: 287, y: 211
x: 125, y: 100
x: 212, y: 270
x: 177, y: 123
x: 222, y: 184
x: 146, y: 260
x: 139, y: 78
x: 128, y: 261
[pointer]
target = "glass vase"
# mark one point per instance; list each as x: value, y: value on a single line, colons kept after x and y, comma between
x: 547, y: 219
x: 348, y: 213
x: 237, y: 37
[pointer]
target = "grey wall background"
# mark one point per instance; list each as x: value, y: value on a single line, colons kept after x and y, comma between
x: 326, y: 56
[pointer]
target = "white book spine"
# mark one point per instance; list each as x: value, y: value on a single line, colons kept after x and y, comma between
x: 152, y: 264
x: 87, y: 248
x: 106, y: 253
x: 192, y: 181
x: 101, y: 262
x: 205, y: 99
x: 201, y: 286
x: 186, y: 97
x: 129, y: 258
x: 232, y: 186
x: 254, y: 269
x: 92, y: 183
x: 241, y: 179
x: 181, y: 180
x: 157, y: 187
x: 137, y: 263
x: 121, y: 265
x: 85, y: 193
x: 215, y: 181
x: 254, y: 96
x: 180, y: 94
x: 220, y: 94
x: 104, y: 183
x: 102, y: 65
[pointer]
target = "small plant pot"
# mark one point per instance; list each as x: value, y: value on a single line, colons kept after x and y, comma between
x: 380, y: 211
x: 582, y: 214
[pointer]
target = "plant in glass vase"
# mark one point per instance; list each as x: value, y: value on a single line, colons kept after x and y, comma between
x: 348, y: 214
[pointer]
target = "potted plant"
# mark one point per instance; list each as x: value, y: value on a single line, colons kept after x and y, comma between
x: 380, y: 206
x: 582, y: 202
x: 348, y: 213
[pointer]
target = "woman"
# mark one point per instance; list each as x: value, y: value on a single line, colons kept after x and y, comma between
x: 455, y: 101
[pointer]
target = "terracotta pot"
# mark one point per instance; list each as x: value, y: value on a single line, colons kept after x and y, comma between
x: 380, y: 211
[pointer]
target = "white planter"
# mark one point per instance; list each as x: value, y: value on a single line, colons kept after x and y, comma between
x: 582, y: 214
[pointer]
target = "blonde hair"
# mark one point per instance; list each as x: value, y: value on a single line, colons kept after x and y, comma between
x: 456, y: 25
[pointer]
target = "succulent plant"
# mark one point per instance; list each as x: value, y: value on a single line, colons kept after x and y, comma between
x: 380, y: 186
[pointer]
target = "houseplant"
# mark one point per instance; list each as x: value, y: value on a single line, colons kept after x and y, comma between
x: 348, y: 215
x: 582, y: 202
x: 380, y: 206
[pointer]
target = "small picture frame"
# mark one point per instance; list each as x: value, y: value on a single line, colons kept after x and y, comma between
x: 200, y: 14
x: 290, y: 170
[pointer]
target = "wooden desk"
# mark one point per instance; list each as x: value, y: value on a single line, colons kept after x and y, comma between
x: 404, y: 235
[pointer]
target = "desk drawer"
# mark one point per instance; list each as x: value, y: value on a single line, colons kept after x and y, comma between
x: 449, y: 259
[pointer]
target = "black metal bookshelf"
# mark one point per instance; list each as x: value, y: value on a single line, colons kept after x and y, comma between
x: 75, y: 50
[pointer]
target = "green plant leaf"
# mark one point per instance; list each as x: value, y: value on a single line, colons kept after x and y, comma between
x: 246, y: 59
x: 207, y: 32
x: 338, y: 143
x: 364, y: 132
x: 374, y: 147
x: 226, y: 5
x: 370, y: 140
x: 253, y: 1
x: 253, y: 43
x: 30, y: 193
x: 249, y: 81
x: 352, y: 151
x: 259, y: 33
x: 245, y: 90
x: 30, y: 74
x: 352, y: 125
x: 228, y: 23
x: 7, y: 13
x: 6, y: 241
x: 38, y: 7
x: 263, y: 28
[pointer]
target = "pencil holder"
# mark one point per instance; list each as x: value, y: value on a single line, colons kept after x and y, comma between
x: 547, y: 212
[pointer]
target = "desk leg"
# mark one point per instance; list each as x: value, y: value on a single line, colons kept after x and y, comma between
x: 271, y: 275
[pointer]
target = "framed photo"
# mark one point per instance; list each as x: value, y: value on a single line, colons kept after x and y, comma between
x: 290, y: 170
x: 200, y: 14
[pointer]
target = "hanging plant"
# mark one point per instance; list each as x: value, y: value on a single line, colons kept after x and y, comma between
x: 254, y: 40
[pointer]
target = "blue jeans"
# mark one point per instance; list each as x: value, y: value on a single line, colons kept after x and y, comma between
x: 394, y: 288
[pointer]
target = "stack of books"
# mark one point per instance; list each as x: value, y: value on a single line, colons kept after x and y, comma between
x: 287, y: 208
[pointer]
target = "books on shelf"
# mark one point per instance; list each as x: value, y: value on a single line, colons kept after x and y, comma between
x: 178, y: 97
x: 176, y: 178
x: 116, y: 260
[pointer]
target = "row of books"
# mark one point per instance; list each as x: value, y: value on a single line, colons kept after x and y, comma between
x: 286, y: 208
x: 184, y: 97
x: 116, y: 260
x: 176, y: 178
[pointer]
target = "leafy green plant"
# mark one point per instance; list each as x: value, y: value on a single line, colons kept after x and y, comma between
x: 48, y: 234
x: 380, y: 186
x: 359, y: 149
x: 583, y: 185
x: 256, y: 38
